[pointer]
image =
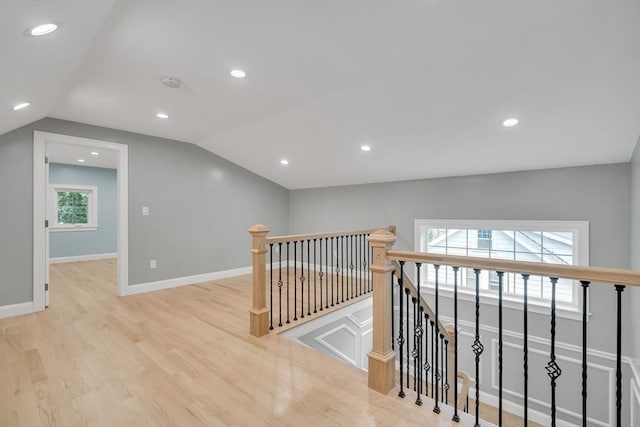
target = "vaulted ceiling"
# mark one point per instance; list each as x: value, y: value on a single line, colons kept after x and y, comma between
x: 425, y: 83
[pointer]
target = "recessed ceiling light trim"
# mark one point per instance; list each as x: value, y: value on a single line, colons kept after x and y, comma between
x: 238, y: 73
x: 95, y: 153
x: 284, y: 162
x: 81, y: 160
x: 20, y: 106
x: 365, y: 147
x: 162, y: 115
x: 41, y: 30
x: 510, y: 122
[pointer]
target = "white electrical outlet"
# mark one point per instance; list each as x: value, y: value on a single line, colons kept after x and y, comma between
x: 145, y: 210
x: 152, y: 264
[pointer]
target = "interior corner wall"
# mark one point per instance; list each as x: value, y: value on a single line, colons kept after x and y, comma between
x: 598, y: 194
x: 201, y: 206
x: 635, y: 250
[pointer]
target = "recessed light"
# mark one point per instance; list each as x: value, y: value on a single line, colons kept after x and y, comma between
x: 41, y: 30
x: 365, y: 147
x: 162, y: 116
x: 238, y: 74
x: 284, y: 162
x: 510, y: 122
x: 20, y: 106
x: 95, y: 153
x: 81, y: 160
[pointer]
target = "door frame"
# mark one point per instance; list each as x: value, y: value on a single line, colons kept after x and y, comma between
x: 40, y: 261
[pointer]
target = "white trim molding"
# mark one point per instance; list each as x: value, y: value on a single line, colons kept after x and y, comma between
x: 184, y: 281
x: 16, y: 309
x: 79, y: 258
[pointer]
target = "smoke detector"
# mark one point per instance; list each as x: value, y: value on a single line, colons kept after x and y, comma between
x: 172, y: 82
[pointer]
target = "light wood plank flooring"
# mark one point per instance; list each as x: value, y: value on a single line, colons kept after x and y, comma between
x: 179, y: 357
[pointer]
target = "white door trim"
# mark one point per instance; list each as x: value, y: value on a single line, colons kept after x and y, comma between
x: 40, y: 140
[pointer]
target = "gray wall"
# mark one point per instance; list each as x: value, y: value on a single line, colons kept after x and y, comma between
x: 598, y: 194
x: 104, y: 240
x: 201, y: 206
x: 635, y: 249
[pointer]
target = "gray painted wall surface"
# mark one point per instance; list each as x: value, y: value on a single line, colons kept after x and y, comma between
x: 201, y: 206
x: 598, y: 194
x: 104, y: 240
x: 635, y: 250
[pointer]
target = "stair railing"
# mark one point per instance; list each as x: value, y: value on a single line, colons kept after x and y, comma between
x: 382, y: 358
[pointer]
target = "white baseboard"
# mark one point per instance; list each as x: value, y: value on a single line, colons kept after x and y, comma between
x: 93, y: 257
x: 16, y: 309
x: 184, y: 281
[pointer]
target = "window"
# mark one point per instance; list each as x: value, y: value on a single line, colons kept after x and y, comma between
x: 555, y: 242
x: 73, y: 207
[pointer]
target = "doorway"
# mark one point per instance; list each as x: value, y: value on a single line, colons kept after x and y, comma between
x: 112, y: 155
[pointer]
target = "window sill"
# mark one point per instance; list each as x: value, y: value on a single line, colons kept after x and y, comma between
x: 510, y: 303
x: 59, y: 228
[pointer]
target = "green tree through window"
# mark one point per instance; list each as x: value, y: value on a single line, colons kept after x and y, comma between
x: 72, y: 207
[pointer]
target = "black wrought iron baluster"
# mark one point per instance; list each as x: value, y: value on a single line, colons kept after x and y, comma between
x: 295, y: 280
x: 446, y: 378
x: 357, y: 265
x: 343, y: 269
x: 427, y: 366
x: 406, y: 292
x: 441, y: 370
x: 369, y: 249
x: 418, y: 332
x: 365, y: 265
x: 393, y: 334
x: 315, y: 274
x: 434, y: 366
x: 553, y: 370
x: 326, y: 269
x: 500, y: 346
x: 585, y: 288
x: 333, y: 294
x: 309, y: 277
x: 321, y: 275
x: 302, y: 279
x: 525, y: 278
x: 414, y: 353
x: 455, y: 417
x: 271, y: 286
x: 288, y: 321
x: 400, y: 326
x: 619, y: 289
x: 337, y: 270
x: 353, y: 284
x: 436, y: 408
x: 280, y: 283
x: 477, y: 347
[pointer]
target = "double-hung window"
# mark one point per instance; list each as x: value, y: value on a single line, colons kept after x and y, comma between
x: 73, y: 207
x: 554, y: 242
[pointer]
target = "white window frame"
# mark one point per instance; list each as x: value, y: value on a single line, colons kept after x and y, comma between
x: 580, y: 231
x: 92, y: 207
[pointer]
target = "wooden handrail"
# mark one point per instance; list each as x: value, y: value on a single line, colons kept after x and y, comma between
x: 591, y: 274
x: 298, y: 237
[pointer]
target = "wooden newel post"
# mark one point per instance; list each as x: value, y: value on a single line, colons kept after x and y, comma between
x: 259, y: 313
x: 382, y: 359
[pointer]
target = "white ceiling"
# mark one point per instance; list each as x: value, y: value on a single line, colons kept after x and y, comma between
x: 69, y: 154
x: 425, y: 83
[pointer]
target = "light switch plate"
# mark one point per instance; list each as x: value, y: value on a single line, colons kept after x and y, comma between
x: 145, y: 210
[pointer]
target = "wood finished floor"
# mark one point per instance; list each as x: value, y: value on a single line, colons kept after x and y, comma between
x: 179, y: 357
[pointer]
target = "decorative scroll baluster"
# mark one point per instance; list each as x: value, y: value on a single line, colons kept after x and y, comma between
x: 441, y: 371
x: 553, y: 370
x: 400, y: 325
x: 337, y: 271
x: 525, y: 278
x: 271, y: 286
x: 315, y: 265
x: 455, y: 417
x: 414, y: 352
x: 434, y: 366
x: 295, y: 281
x: 365, y: 271
x: 353, y: 283
x: 288, y: 321
x: 369, y: 263
x: 477, y: 347
x: 333, y: 294
x: 445, y: 393
x: 427, y: 366
x: 585, y: 287
x: 500, y: 344
x: 280, y: 282
x: 357, y: 265
x: 418, y: 331
x: 343, y: 269
x: 436, y: 408
x: 619, y: 289
x: 406, y: 292
x: 302, y: 279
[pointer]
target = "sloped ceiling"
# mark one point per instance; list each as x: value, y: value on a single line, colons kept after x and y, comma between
x: 425, y: 83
